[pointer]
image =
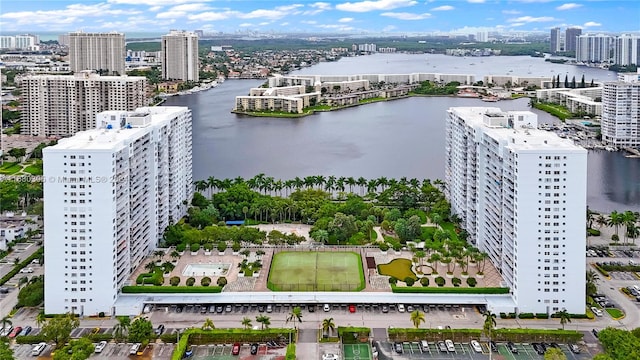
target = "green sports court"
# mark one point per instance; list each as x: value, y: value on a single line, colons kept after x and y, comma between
x: 356, y: 351
x: 316, y: 271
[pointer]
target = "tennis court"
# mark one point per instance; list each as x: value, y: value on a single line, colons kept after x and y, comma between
x: 356, y: 352
x: 316, y: 271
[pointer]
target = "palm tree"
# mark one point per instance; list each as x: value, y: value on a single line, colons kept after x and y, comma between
x: 295, y: 315
x: 564, y: 317
x: 175, y: 255
x: 328, y: 326
x: 208, y: 324
x: 615, y: 219
x: 417, y: 318
x: 5, y: 321
x: 122, y: 327
x: 150, y: 266
x: 629, y: 220
x: 41, y: 319
x: 159, y: 254
x: 264, y: 321
x: 489, y: 323
x: 246, y: 323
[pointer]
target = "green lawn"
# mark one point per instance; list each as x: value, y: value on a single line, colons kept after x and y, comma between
x: 10, y: 168
x: 35, y: 168
x: 615, y: 313
x: 316, y: 271
x: 398, y: 268
x: 450, y: 229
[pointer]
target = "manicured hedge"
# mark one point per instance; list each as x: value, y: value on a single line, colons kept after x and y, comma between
x: 464, y: 335
x: 453, y: 290
x: 16, y: 269
x: 170, y: 289
x: 527, y: 335
x: 291, y: 352
x: 346, y: 333
x: 411, y: 334
x: 601, y: 270
x: 542, y: 316
x: 30, y: 339
x: 629, y: 268
x: 525, y: 316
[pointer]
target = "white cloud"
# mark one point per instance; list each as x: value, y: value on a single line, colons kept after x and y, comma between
x: 309, y: 22
x: 373, y: 5
x: 246, y: 25
x: 155, y: 8
x: 530, y: 19
x: 190, y: 7
x: 210, y: 16
x: 476, y: 1
x: 511, y: 12
x: 284, y: 24
x: 321, y: 5
x: 264, y: 23
x: 388, y: 28
x: 406, y: 16
x: 345, y: 20
x: 154, y: 2
x: 277, y: 13
x: 336, y: 27
x: 591, y: 24
x: 568, y: 6
x: 443, y: 8
x: 74, y: 13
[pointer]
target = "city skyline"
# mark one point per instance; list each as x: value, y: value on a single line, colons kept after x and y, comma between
x: 350, y: 16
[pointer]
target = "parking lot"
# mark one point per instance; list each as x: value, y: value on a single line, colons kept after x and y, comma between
x: 111, y: 351
x: 220, y: 351
x: 411, y: 350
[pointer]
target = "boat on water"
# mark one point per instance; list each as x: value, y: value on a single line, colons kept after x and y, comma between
x: 490, y: 98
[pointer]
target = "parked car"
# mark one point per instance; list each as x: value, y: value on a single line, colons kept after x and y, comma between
x: 159, y: 330
x: 398, y: 347
x: 442, y: 346
x: 25, y: 331
x: 450, y: 346
x: 385, y: 308
x: 312, y: 308
x: 537, y: 347
x: 38, y: 349
x: 261, y: 308
x: 352, y: 308
x: 28, y: 270
x: 476, y: 346
x: 423, y: 345
x: 512, y: 347
x: 228, y: 308
x: 574, y: 348
x: 596, y: 311
x: 254, y: 349
x: 188, y: 353
x: 95, y: 330
x: 16, y: 330
x: 6, y: 330
x: 269, y: 308
x: 410, y: 308
x: 493, y: 346
x: 134, y: 349
x: 100, y: 346
x: 401, y: 308
x: 594, y: 332
x: 326, y: 307
x: 236, y: 349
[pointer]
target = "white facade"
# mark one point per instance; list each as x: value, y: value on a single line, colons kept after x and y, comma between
x: 20, y: 42
x: 109, y: 195
x: 592, y: 48
x: 61, y: 105
x: 627, y: 50
x: 104, y: 52
x: 521, y: 195
x: 620, y: 123
x: 180, y: 56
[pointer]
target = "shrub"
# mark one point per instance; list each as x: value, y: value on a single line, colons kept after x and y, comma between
x: 291, y: 352
x: 169, y: 289
x: 409, y: 281
x: 593, y: 232
x: 222, y: 281
x: 174, y: 281
x: 181, y: 247
x: 542, y: 316
x: 222, y: 246
x: 424, y: 281
x: 101, y: 314
x: 456, y: 281
x: 615, y: 238
x: 206, y: 281
x: 208, y: 246
x: 194, y: 247
x: 472, y: 282
x: 191, y: 281
x: 393, y: 280
x: 525, y: 316
x: 236, y: 247
x: 383, y: 246
x: 397, y: 247
x: 449, y: 290
x: 440, y: 281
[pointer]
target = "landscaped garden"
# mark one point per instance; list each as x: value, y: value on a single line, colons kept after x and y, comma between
x: 316, y: 271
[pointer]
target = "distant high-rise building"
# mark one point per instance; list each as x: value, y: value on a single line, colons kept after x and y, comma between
x: 626, y: 50
x: 116, y: 189
x: 570, y: 39
x: 200, y: 33
x: 101, y: 52
x: 556, y: 41
x: 19, y: 42
x: 482, y: 36
x: 180, y: 56
x: 620, y: 124
x: 61, y: 105
x: 594, y: 48
x: 63, y: 39
x: 521, y: 195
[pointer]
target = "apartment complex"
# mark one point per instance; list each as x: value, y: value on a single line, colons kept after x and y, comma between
x: 19, y: 42
x: 626, y: 50
x: 592, y: 48
x: 180, y: 56
x: 521, y: 195
x: 620, y: 124
x: 61, y: 105
x: 571, y: 39
x: 111, y: 193
x: 102, y: 52
x: 556, y: 41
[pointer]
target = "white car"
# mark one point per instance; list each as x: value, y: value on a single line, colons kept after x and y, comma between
x: 26, y: 270
x: 450, y: 346
x: 326, y: 307
x: 100, y: 346
x: 597, y: 312
x: 476, y: 346
x: 401, y: 308
x: 330, y: 357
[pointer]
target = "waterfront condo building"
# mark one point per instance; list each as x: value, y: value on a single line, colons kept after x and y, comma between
x: 592, y: 48
x: 620, y: 122
x: 109, y: 195
x: 180, y: 56
x: 571, y: 39
x: 521, y: 195
x: 102, y: 52
x: 556, y: 41
x: 627, y: 50
x: 61, y: 105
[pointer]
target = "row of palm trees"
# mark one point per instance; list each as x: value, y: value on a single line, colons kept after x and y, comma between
x: 452, y: 253
x: 269, y: 185
x: 627, y: 220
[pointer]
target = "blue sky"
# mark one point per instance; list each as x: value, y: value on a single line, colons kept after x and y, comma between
x: 347, y: 16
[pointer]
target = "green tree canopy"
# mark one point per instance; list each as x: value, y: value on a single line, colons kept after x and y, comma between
x: 80, y: 349
x: 141, y: 330
x: 58, y: 329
